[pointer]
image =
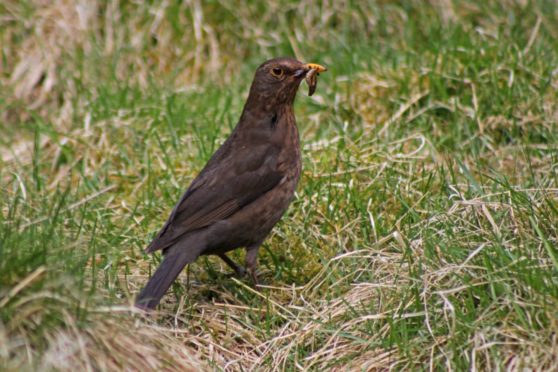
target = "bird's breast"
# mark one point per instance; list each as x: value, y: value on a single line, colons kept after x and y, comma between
x: 289, y: 162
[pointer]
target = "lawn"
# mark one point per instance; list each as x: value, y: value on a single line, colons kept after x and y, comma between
x: 423, y: 235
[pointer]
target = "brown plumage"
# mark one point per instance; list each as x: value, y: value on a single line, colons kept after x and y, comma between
x: 246, y: 186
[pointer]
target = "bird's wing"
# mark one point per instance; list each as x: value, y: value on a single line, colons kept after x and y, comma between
x: 221, y: 190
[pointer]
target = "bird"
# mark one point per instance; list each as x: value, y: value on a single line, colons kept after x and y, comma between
x: 245, y: 187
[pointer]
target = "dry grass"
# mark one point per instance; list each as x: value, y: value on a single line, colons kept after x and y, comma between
x: 81, y: 336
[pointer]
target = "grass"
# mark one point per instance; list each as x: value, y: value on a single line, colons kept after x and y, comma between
x: 423, y: 234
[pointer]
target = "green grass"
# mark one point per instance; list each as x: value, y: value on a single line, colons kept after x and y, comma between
x: 423, y: 234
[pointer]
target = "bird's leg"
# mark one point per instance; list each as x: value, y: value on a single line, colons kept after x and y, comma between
x: 239, y: 270
x: 252, y: 263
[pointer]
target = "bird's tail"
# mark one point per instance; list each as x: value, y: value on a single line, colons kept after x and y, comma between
x: 173, y: 263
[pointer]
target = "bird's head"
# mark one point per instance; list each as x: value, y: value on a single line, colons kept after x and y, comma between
x: 276, y: 81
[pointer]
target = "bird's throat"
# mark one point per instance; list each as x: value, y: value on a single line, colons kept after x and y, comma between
x: 264, y: 113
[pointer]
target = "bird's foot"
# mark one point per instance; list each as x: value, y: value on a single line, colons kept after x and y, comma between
x: 240, y: 272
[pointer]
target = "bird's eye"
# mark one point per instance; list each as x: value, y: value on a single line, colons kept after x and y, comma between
x: 277, y: 72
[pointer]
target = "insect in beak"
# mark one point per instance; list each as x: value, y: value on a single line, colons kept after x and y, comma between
x: 312, y: 76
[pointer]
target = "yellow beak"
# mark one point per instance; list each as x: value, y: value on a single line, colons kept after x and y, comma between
x: 315, y: 66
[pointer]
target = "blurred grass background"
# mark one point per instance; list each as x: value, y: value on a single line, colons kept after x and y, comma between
x: 423, y: 234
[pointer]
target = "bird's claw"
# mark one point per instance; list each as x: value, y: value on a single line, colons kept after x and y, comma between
x: 240, y: 272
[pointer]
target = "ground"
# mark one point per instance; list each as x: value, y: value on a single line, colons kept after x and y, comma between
x: 423, y: 234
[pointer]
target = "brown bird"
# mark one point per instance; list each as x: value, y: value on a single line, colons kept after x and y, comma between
x: 245, y: 187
